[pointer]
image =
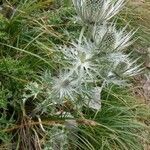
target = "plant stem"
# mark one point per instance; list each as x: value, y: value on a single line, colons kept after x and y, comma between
x: 81, y: 34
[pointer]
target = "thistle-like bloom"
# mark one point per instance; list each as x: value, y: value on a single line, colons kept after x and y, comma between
x: 64, y: 86
x: 117, y: 58
x: 99, y: 33
x: 108, y: 37
x: 132, y: 69
x: 80, y: 56
x: 97, y: 11
x: 122, y: 67
x: 122, y: 38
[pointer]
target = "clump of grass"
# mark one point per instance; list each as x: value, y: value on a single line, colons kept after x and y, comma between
x: 117, y: 123
x: 137, y: 13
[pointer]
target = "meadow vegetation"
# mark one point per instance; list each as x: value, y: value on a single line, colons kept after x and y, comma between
x: 67, y: 76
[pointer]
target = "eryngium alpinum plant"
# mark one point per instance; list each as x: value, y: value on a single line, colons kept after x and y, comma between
x: 87, y: 65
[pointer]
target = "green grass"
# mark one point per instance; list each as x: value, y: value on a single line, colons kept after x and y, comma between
x: 28, y: 38
x: 118, y: 123
x: 137, y: 14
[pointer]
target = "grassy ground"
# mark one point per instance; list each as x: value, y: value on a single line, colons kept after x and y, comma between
x: 138, y: 13
x: 28, y: 39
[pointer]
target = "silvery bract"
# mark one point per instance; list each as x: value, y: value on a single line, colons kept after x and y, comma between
x: 34, y: 88
x: 97, y: 11
x: 64, y: 86
x: 97, y: 57
x: 80, y: 58
x: 95, y: 101
x: 58, y: 139
x: 108, y: 37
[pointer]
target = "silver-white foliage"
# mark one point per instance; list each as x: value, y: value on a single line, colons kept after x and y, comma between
x: 95, y: 101
x: 107, y: 35
x: 64, y: 86
x: 89, y: 61
x: 125, y: 66
x: 87, y: 65
x: 34, y: 89
x: 122, y: 68
x: 98, y: 58
x: 97, y: 11
x: 80, y: 57
x: 58, y: 139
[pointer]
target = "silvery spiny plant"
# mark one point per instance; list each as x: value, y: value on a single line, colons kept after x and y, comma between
x: 95, y: 59
x: 58, y: 140
x: 97, y: 11
x: 91, y: 62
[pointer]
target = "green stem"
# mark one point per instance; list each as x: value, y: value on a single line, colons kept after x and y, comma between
x: 81, y: 34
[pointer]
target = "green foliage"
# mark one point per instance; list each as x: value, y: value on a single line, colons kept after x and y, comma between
x: 137, y: 13
x: 6, y: 120
x: 118, y: 125
x: 34, y: 114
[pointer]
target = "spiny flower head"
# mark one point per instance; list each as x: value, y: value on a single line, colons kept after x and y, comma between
x: 64, y: 85
x: 122, y: 38
x: 122, y: 67
x: 109, y: 38
x: 118, y: 57
x: 97, y: 11
x: 80, y: 56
